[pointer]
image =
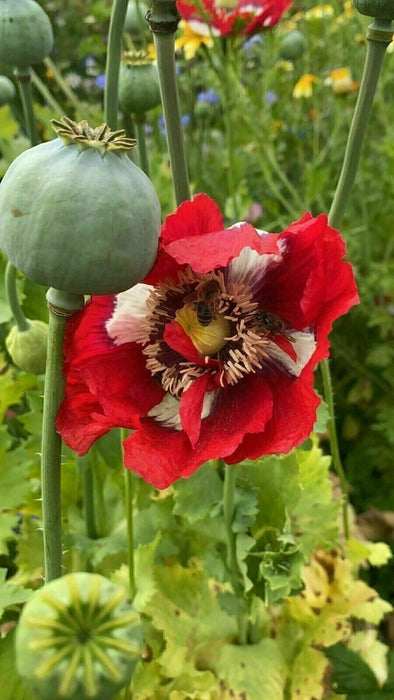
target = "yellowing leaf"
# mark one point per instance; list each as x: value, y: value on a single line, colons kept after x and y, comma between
x: 307, y: 674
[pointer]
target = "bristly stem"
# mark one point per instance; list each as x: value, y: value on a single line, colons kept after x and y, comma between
x: 129, y: 495
x: 230, y: 477
x: 163, y: 20
x: 13, y: 301
x: 379, y: 35
x: 114, y: 51
x: 24, y: 86
x: 61, y: 305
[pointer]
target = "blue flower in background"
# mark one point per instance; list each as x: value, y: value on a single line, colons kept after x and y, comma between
x: 185, y: 120
x: 253, y: 41
x: 208, y: 97
x: 271, y: 97
x: 100, y: 81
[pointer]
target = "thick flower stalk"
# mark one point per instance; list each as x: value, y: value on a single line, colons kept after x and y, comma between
x: 232, y: 17
x: 212, y: 356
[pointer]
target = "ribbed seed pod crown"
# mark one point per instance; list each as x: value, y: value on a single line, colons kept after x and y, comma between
x: 26, y: 35
x: 77, y: 214
x: 78, y: 638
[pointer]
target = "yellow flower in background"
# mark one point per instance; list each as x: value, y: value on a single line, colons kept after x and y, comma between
x: 304, y: 86
x: 341, y: 81
x: 190, y: 41
x: 319, y: 12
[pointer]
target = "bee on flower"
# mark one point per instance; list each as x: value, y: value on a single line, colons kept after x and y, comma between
x: 212, y: 355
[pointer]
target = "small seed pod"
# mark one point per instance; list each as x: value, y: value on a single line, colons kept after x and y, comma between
x: 26, y: 35
x: 78, y: 639
x: 28, y: 349
x: 380, y: 9
x: 135, y: 22
x: 292, y: 46
x: 76, y: 214
x: 139, y: 89
x: 7, y: 90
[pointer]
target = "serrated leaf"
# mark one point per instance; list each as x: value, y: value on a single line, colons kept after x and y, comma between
x: 12, y: 687
x: 245, y: 505
x: 11, y: 593
x: 194, y: 497
x: 253, y: 671
x: 14, y: 473
x: 351, y: 675
x: 13, y: 385
x: 144, y: 558
x: 8, y: 522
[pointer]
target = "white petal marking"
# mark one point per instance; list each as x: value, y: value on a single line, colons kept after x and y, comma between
x: 250, y: 266
x: 167, y: 411
x: 304, y: 344
x: 130, y: 309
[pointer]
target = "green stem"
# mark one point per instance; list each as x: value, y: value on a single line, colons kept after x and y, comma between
x: 378, y: 37
x: 12, y: 296
x: 144, y: 161
x: 24, y: 86
x: 129, y: 494
x: 114, y: 52
x: 230, y: 477
x: 88, y: 499
x: 71, y: 96
x: 332, y: 433
x: 45, y: 93
x: 165, y: 54
x: 61, y: 306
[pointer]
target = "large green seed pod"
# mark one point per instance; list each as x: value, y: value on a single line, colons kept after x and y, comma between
x: 78, y: 639
x: 292, y: 46
x: 7, y: 90
x: 76, y: 214
x: 26, y: 35
x: 139, y: 89
x: 28, y: 348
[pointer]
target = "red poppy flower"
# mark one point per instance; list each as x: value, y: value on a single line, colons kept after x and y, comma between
x: 232, y: 17
x: 213, y: 354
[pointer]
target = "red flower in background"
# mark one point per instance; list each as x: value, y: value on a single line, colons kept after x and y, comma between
x: 213, y: 355
x: 232, y: 17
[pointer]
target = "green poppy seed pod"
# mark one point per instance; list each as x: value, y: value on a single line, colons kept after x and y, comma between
x: 78, y: 639
x: 26, y: 35
x: 292, y: 46
x: 380, y: 9
x: 139, y: 89
x: 135, y: 22
x: 77, y: 214
x: 7, y: 90
x: 28, y: 349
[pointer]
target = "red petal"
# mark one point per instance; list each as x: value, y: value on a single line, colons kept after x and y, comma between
x: 86, y: 335
x: 176, y: 337
x: 219, y: 248
x: 191, y: 406
x: 161, y: 455
x: 195, y: 218
x: 292, y: 421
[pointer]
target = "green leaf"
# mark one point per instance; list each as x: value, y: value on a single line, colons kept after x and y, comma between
x: 194, y: 497
x: 351, y: 675
x: 12, y: 687
x: 13, y: 385
x: 256, y: 671
x: 8, y: 521
x: 14, y: 473
x: 144, y: 558
x: 11, y: 593
x: 245, y: 504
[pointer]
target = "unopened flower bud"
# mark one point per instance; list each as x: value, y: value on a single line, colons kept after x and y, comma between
x: 292, y: 46
x: 380, y: 9
x: 28, y: 349
x: 78, y: 638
